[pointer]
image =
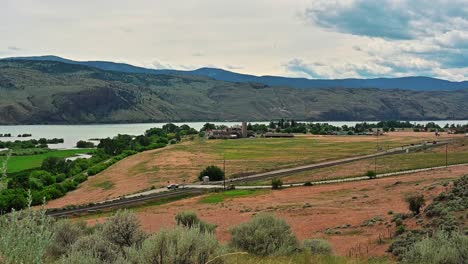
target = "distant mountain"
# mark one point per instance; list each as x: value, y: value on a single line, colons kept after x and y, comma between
x: 405, y: 83
x: 39, y: 92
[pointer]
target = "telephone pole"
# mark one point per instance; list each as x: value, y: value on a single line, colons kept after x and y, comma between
x: 224, y: 171
x: 446, y: 155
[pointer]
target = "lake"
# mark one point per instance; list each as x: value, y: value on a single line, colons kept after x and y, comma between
x: 73, y: 133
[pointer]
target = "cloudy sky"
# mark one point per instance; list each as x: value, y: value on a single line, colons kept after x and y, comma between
x: 306, y: 38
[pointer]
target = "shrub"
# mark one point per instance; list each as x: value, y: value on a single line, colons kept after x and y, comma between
x: 264, y: 235
x: 415, y: 202
x: 318, y: 246
x: 93, y: 248
x: 179, y: 245
x: 25, y: 236
x: 371, y: 174
x: 65, y: 235
x: 276, y: 184
x: 190, y: 220
x: 123, y: 229
x: 214, y: 172
x: 442, y: 248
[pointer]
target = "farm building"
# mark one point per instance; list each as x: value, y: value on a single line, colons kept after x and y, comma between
x: 237, y: 131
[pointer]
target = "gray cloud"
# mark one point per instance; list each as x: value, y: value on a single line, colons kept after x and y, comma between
x: 399, y: 20
x: 406, y: 37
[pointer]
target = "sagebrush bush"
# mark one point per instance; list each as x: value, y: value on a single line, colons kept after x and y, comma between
x: 415, y: 202
x: 95, y: 248
x: 24, y: 236
x: 190, y: 220
x: 264, y: 235
x: 442, y: 248
x: 65, y: 235
x: 178, y: 245
x: 318, y: 246
x: 123, y: 229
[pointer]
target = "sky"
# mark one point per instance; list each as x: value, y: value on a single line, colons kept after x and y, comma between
x: 296, y: 38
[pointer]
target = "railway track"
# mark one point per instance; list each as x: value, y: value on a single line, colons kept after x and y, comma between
x: 119, y: 203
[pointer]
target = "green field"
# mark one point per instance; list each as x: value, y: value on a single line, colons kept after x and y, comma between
x: 20, y: 163
x: 457, y: 153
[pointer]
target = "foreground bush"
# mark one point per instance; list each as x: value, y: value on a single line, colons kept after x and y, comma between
x: 179, y: 245
x: 318, y: 246
x: 24, y: 236
x: 123, y: 230
x: 440, y: 249
x: 264, y: 235
x: 65, y: 235
x: 92, y: 249
x: 190, y: 220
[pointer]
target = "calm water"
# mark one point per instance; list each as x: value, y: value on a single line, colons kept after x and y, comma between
x: 73, y: 133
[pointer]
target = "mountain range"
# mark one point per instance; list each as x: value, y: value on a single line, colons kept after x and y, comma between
x: 53, y: 92
x: 416, y: 83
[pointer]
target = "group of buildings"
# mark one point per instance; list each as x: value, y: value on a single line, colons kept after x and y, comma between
x: 241, y: 131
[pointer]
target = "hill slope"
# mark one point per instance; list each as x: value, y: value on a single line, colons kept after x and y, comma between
x: 407, y: 83
x: 34, y: 92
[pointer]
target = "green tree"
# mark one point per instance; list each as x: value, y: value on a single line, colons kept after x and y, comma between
x: 214, y: 172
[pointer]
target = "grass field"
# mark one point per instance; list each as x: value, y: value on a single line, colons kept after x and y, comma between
x: 246, y: 156
x: 19, y: 163
x: 457, y: 153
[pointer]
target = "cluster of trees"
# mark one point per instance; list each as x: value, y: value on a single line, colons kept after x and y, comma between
x: 24, y: 135
x: 58, y: 176
x: 32, y: 237
x: 32, y: 143
x: 5, y: 135
x: 84, y: 144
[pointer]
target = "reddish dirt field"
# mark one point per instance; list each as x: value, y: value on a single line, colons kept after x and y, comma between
x: 311, y: 210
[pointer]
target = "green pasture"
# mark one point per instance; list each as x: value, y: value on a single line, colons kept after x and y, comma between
x: 19, y: 163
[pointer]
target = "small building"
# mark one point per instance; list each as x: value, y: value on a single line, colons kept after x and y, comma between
x: 278, y: 135
x: 206, y: 179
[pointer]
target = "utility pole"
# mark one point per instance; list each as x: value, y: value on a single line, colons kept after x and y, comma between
x: 446, y: 155
x: 224, y: 170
